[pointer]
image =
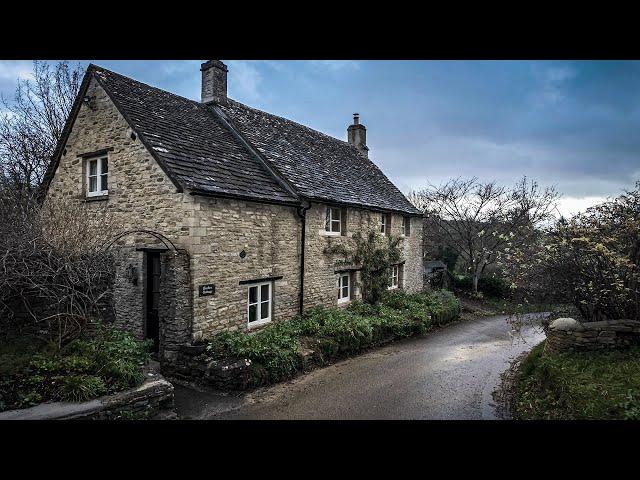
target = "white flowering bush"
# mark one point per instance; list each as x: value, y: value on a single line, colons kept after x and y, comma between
x: 592, y: 260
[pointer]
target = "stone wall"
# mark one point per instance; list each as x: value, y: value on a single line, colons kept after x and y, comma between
x: 227, y: 240
x: 567, y: 334
x: 320, y: 277
x: 175, y: 309
x: 152, y: 399
x: 128, y: 290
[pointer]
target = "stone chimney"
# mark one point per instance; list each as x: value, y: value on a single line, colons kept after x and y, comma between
x: 357, y: 135
x: 214, y: 81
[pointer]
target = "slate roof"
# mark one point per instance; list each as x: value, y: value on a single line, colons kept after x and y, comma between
x: 319, y: 166
x: 190, y: 141
x: 234, y: 150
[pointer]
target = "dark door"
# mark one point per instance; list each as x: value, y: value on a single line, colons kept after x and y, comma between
x: 153, y: 298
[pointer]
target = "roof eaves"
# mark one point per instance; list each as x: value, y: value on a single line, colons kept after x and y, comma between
x: 204, y: 193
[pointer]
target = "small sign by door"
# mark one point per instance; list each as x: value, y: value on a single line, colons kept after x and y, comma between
x: 207, y: 289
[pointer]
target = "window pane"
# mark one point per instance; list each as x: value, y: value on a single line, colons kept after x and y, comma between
x: 345, y: 280
x: 253, y: 294
x: 264, y: 294
x: 264, y: 310
x: 335, y: 225
x: 93, y: 167
x: 93, y: 184
x: 253, y: 310
x: 335, y: 214
x: 104, y: 184
x: 345, y: 291
x: 105, y: 165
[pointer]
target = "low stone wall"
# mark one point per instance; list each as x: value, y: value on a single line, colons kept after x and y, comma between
x: 567, y: 334
x: 152, y: 399
x: 193, y: 364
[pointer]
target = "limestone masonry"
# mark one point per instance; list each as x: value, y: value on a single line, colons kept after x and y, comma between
x: 206, y: 247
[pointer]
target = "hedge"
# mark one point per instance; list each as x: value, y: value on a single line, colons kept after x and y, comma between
x: 275, y: 351
x: 494, y: 287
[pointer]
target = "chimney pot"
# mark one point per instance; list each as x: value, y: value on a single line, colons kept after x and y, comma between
x: 214, y: 82
x: 357, y: 135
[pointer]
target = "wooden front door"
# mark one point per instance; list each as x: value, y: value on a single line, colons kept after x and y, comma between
x: 152, y: 327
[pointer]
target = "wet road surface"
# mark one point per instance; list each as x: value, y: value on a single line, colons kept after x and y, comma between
x: 447, y: 374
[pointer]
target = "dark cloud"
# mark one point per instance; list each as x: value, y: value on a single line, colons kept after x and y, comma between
x: 572, y: 124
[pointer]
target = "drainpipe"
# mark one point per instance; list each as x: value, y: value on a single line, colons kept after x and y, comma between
x: 302, y: 213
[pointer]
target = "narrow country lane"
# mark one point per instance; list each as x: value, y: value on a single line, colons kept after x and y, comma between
x: 447, y: 374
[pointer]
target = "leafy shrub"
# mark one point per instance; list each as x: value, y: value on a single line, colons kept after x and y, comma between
x: 494, y: 287
x: 85, y: 368
x: 463, y: 282
x: 581, y: 385
x: 275, y: 350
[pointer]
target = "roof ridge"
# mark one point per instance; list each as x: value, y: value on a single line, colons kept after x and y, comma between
x: 95, y: 67
x: 294, y: 122
x: 98, y: 67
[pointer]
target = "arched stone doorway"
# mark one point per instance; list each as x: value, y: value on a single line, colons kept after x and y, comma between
x: 152, y: 294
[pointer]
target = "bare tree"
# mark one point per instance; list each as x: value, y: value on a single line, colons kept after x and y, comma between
x: 483, y: 221
x: 55, y: 274
x: 33, y: 121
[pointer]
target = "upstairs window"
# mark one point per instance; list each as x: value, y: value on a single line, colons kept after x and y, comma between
x: 336, y: 220
x: 385, y: 223
x: 259, y: 304
x: 406, y: 226
x: 344, y: 288
x: 97, y: 176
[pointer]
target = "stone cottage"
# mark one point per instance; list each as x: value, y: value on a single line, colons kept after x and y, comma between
x: 227, y: 210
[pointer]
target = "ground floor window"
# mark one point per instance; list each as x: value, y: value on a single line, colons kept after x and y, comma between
x: 394, y: 278
x: 259, y: 304
x: 344, y: 287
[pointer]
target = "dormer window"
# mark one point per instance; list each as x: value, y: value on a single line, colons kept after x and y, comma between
x: 97, y: 176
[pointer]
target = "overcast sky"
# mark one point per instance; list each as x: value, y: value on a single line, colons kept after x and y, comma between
x: 575, y: 125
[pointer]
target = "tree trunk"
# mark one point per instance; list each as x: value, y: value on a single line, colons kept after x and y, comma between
x: 475, y: 282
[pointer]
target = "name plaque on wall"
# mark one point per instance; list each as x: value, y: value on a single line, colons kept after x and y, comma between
x: 206, y: 289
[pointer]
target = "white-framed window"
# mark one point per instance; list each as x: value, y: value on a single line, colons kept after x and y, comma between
x: 344, y: 287
x: 334, y: 220
x: 394, y: 277
x: 97, y: 176
x: 259, y: 304
x: 406, y: 226
x: 383, y: 224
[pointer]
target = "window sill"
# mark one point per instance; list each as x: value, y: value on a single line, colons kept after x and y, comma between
x: 96, y: 198
x: 258, y: 323
x: 342, y: 301
x: 330, y: 234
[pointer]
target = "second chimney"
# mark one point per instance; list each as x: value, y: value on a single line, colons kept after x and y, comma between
x: 214, y: 82
x: 357, y: 135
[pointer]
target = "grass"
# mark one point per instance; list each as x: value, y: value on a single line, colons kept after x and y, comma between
x: 585, y: 385
x: 33, y: 371
x: 275, y: 351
